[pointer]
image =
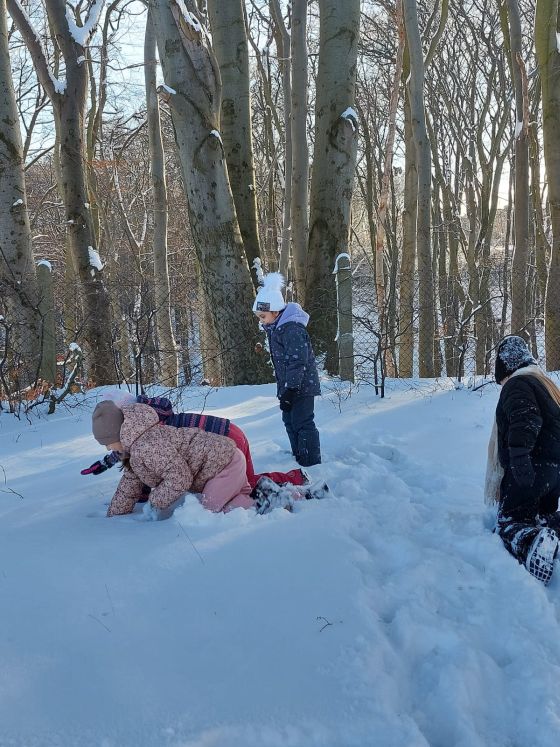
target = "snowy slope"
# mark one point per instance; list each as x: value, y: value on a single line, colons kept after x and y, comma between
x: 387, y: 615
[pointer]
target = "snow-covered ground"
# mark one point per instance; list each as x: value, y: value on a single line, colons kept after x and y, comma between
x: 387, y: 615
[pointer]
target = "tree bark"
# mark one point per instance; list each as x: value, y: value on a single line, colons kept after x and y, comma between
x: 300, y: 148
x: 333, y: 167
x: 423, y: 228
x: 166, y: 346
x: 283, y: 49
x: 229, y: 39
x: 547, y: 26
x: 407, y: 279
x: 18, y: 282
x: 193, y: 80
x: 511, y: 23
x: 69, y: 103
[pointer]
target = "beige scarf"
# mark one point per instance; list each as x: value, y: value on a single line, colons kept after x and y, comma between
x: 494, y: 470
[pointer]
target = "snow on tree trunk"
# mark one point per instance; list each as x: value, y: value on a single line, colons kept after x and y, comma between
x: 68, y: 98
x: 48, y: 326
x: 192, y: 74
x: 333, y: 167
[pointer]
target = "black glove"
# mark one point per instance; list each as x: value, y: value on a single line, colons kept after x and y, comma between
x: 287, y: 399
x: 521, y: 467
x: 95, y: 469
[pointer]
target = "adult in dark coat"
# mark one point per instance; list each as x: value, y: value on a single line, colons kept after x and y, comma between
x: 528, y: 433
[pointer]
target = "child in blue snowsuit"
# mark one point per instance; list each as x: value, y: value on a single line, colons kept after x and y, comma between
x: 294, y: 364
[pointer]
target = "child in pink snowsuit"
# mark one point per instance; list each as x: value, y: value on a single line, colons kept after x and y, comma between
x: 208, y: 423
x: 171, y: 461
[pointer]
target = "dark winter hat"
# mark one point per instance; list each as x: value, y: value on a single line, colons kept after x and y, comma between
x: 512, y: 354
x: 106, y: 423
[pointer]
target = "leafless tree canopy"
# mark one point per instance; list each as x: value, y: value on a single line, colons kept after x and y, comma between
x: 153, y: 151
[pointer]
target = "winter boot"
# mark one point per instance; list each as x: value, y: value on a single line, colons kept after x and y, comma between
x: 540, y: 558
x: 318, y: 490
x: 552, y: 521
x: 269, y: 495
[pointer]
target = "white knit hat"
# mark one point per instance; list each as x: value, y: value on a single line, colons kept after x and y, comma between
x: 269, y: 296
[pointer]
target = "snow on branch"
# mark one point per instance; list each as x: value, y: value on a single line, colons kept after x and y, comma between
x: 49, y: 81
x: 351, y: 116
x: 82, y: 34
x: 257, y: 267
x: 342, y: 255
x: 190, y: 18
x: 95, y: 262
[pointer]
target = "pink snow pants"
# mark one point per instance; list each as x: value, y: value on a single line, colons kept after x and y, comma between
x: 230, y: 488
x: 294, y: 476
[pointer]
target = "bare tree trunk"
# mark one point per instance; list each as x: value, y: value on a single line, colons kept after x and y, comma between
x: 300, y: 149
x: 193, y: 80
x: 229, y: 39
x: 283, y: 48
x: 69, y: 102
x: 18, y: 283
x: 521, y: 206
x: 48, y: 325
x: 407, y: 279
x: 547, y: 25
x: 385, y: 190
x: 333, y: 167
x: 423, y: 229
x: 166, y: 347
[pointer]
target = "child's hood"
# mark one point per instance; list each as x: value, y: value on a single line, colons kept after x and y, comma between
x: 293, y: 313
x: 137, y: 420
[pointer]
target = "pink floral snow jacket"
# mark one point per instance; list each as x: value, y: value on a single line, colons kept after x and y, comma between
x: 170, y: 460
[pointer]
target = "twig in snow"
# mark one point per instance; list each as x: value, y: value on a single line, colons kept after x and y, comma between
x: 110, y: 600
x: 190, y: 540
x: 100, y: 622
x: 327, y: 623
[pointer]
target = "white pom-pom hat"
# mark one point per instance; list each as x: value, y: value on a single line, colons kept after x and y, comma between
x: 269, y: 296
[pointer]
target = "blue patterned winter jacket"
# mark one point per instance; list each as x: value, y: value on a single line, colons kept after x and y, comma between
x: 292, y: 353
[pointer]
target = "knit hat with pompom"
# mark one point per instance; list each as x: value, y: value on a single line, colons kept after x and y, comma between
x: 269, y: 296
x: 512, y: 354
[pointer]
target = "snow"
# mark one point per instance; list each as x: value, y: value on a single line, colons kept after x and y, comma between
x: 257, y: 267
x: 339, y: 257
x: 17, y: 202
x: 190, y: 18
x: 58, y: 85
x: 388, y: 614
x: 45, y: 263
x: 82, y: 34
x: 95, y: 259
x: 170, y: 90
x: 351, y: 116
x: 216, y: 134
